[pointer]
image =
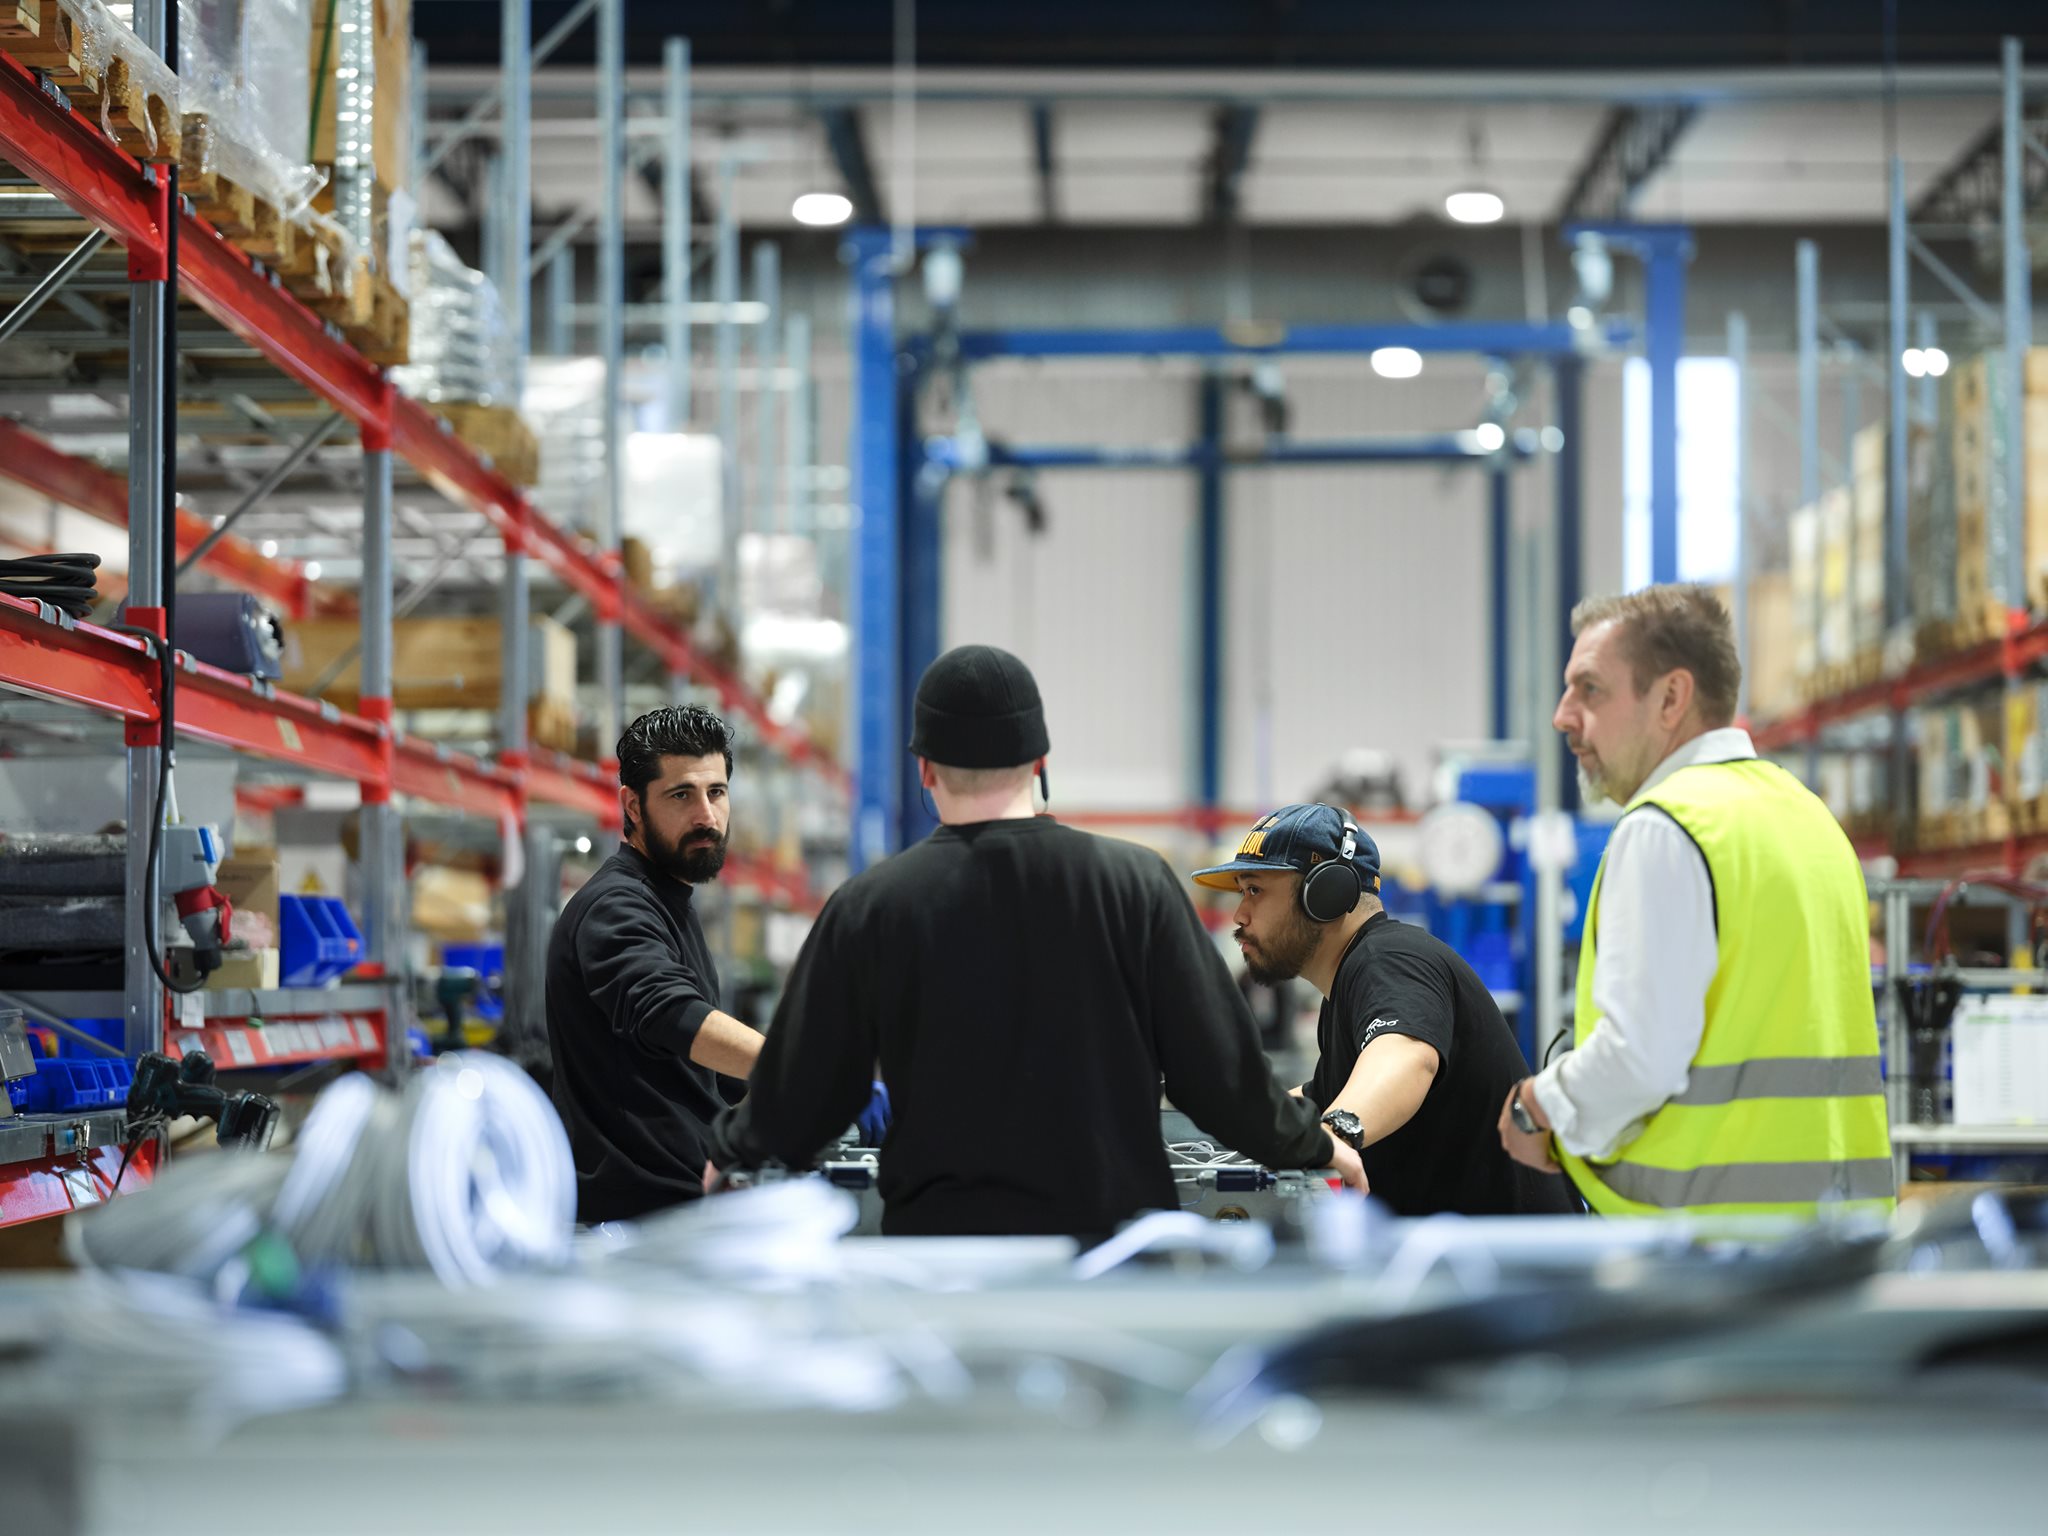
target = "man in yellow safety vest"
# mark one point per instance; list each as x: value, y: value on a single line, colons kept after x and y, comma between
x: 1725, y: 1041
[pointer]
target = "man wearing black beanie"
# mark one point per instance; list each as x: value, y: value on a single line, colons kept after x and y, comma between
x: 1025, y: 987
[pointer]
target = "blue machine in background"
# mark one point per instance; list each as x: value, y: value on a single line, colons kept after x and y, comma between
x: 1495, y: 930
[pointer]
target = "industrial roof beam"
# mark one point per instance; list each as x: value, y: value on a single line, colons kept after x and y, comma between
x: 1635, y: 143
x: 1230, y: 151
x: 1970, y: 191
x: 850, y: 153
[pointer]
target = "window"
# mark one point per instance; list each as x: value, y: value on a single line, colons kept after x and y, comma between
x: 1707, y: 445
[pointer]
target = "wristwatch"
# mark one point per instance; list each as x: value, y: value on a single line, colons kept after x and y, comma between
x: 1519, y: 1113
x: 1347, y: 1128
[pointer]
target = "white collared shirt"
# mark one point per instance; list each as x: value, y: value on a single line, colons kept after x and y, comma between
x: 1658, y: 951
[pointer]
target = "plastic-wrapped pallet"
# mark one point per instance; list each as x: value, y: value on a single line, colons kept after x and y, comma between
x: 462, y: 358
x: 242, y: 65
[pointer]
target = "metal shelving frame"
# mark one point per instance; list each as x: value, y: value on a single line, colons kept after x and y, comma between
x: 173, y: 253
x: 2024, y: 645
x: 1909, y: 1136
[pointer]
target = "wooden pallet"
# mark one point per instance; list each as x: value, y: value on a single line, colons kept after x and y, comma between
x: 44, y: 36
x: 551, y: 722
x: 1838, y: 678
x: 498, y: 432
x: 2030, y: 817
x: 1983, y: 621
x: 385, y: 336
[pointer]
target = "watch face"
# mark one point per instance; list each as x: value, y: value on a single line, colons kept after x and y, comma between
x: 1524, y: 1121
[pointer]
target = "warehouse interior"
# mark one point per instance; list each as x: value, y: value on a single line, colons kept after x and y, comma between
x: 400, y: 398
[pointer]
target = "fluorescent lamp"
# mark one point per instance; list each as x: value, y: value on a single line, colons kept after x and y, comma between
x: 1396, y: 362
x: 270, y: 549
x: 823, y: 210
x: 1473, y: 206
x: 312, y: 570
x: 1936, y: 361
x: 1914, y: 361
x: 1489, y: 436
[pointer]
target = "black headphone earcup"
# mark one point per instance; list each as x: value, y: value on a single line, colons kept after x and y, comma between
x: 1330, y: 890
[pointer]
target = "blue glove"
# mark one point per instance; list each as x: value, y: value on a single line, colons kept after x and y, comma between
x: 873, y: 1123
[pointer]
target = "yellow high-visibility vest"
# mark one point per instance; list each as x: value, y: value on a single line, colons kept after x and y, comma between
x: 1784, y: 1111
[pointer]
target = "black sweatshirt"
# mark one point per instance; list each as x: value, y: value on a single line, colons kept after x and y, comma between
x: 1025, y: 987
x: 630, y: 980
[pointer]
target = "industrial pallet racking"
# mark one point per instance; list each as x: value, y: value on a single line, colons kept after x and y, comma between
x: 114, y: 676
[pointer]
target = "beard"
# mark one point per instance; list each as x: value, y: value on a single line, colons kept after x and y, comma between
x: 1281, y: 957
x: 695, y: 857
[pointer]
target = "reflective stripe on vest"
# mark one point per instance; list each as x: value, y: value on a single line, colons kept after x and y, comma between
x: 1783, y: 1110
x: 1669, y: 1189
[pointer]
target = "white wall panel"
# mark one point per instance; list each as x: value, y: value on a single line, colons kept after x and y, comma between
x: 1098, y: 604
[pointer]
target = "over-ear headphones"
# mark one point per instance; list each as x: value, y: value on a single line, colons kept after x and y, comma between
x: 1331, y: 889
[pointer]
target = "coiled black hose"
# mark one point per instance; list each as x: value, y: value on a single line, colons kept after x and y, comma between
x: 62, y: 581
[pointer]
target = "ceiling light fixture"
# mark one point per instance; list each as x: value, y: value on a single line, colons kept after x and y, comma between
x: 312, y: 570
x: 269, y: 547
x: 822, y: 210
x: 1475, y: 205
x: 1489, y: 436
x: 1396, y: 362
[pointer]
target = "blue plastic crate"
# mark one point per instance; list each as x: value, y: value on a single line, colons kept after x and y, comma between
x: 318, y: 940
x: 62, y: 1087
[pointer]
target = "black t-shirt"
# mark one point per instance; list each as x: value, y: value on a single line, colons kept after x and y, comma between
x: 630, y: 979
x: 1025, y: 987
x: 1396, y: 979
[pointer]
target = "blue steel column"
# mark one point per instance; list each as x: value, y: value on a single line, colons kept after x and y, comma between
x: 921, y: 499
x: 1209, y: 600
x: 1569, y: 516
x: 1665, y: 341
x: 1498, y: 531
x: 877, y: 481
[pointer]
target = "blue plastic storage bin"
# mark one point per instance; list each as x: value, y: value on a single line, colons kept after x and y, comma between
x: 61, y: 1087
x: 317, y: 939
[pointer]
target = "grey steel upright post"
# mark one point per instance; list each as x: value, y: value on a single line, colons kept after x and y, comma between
x: 2019, y: 323
x: 515, y: 164
x: 675, y: 230
x: 383, y: 848
x: 767, y: 403
x: 150, y: 303
x: 725, y: 280
x: 1806, y: 260
x: 796, y: 432
x: 515, y: 196
x: 562, y: 302
x: 1738, y: 357
x: 611, y: 282
x: 1927, y: 337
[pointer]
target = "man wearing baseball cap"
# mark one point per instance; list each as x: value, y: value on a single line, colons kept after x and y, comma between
x: 1025, y: 987
x: 1415, y: 1057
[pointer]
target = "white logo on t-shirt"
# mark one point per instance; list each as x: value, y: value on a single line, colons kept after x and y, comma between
x: 1374, y: 1028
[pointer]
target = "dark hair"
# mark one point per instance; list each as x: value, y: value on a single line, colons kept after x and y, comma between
x: 1669, y: 628
x: 685, y: 730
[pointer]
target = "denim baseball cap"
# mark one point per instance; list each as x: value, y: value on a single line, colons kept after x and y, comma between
x: 1294, y: 837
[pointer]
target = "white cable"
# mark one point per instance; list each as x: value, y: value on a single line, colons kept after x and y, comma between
x: 1246, y: 1245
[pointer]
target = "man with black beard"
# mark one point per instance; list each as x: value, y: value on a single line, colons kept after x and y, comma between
x: 1415, y: 1057
x: 644, y: 1059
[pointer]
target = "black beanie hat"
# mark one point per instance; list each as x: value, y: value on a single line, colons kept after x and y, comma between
x: 978, y: 707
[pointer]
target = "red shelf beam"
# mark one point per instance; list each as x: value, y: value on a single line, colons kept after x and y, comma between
x: 33, y: 1190
x: 231, y: 711
x: 44, y: 138
x: 281, y: 1042
x: 2010, y: 656
x: 78, y: 664
x: 455, y: 780
x: 36, y: 463
x: 555, y: 779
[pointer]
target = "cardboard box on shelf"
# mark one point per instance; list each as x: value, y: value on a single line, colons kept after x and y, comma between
x: 1773, y: 649
x: 251, y: 883
x: 1837, y: 606
x: 1803, y: 532
x: 436, y: 663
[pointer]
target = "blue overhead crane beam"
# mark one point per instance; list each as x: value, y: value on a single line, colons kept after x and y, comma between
x: 1493, y: 339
